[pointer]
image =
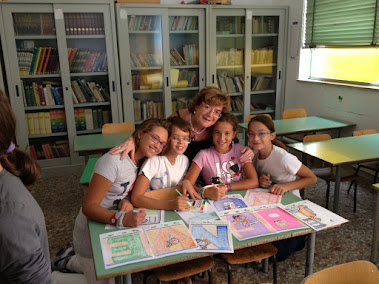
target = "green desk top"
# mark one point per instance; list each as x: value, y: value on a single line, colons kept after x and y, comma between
x: 304, y: 124
x: 376, y: 186
x: 353, y: 149
x: 88, y: 170
x: 98, y: 228
x: 96, y: 142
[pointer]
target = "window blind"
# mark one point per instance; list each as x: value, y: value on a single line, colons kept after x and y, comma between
x: 349, y: 23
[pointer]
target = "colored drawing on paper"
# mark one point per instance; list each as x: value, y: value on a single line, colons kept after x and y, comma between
x: 212, y: 236
x: 169, y: 238
x: 279, y: 219
x: 206, y: 213
x: 314, y: 215
x: 123, y: 247
x: 196, y: 206
x: 260, y: 196
x: 153, y: 217
x: 229, y: 202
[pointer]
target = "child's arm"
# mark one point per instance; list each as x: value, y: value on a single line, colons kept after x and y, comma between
x: 140, y: 200
x: 188, y: 184
x: 97, y: 189
x: 307, y: 177
x: 251, y: 180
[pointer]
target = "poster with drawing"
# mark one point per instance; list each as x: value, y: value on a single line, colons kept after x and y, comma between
x: 124, y: 246
x: 245, y: 223
x: 261, y: 196
x: 153, y: 216
x: 228, y: 202
x: 212, y: 235
x: 314, y: 215
x: 206, y: 213
x: 170, y: 238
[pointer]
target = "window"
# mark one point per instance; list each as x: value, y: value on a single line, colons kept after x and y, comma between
x: 341, y: 41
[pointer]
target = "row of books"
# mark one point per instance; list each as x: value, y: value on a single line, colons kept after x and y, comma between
x: 262, y: 55
x: 260, y: 82
x: 191, y: 76
x: 183, y: 23
x: 230, y: 57
x: 46, y: 122
x: 84, y: 60
x: 190, y: 56
x: 149, y: 109
x: 40, y: 60
x: 231, y: 25
x: 145, y: 60
x: 88, y: 119
x: 179, y: 103
x: 231, y: 84
x: 85, y: 92
x: 144, y: 23
x: 264, y: 24
x: 45, y: 151
x: 43, y: 95
x: 84, y: 23
x: 34, y: 24
x: 236, y: 104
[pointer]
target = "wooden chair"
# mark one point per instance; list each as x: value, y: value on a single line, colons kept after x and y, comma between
x: 360, y: 271
x: 248, y: 118
x: 117, y: 127
x: 374, y: 165
x: 329, y: 173
x: 294, y: 113
x: 250, y: 254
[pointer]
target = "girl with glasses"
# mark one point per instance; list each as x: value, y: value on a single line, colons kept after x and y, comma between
x: 222, y: 160
x: 110, y: 185
x: 166, y: 170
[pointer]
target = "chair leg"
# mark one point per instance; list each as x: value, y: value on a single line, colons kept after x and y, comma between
x: 210, y: 275
x: 355, y: 195
x: 229, y: 273
x: 265, y: 265
x: 274, y: 269
x: 327, y: 194
x: 351, y: 183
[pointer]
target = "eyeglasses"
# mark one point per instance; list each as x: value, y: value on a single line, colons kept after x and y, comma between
x: 178, y: 139
x: 260, y: 134
x: 208, y: 108
x: 156, y: 140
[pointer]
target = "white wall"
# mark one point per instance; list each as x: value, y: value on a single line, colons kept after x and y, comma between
x: 358, y: 105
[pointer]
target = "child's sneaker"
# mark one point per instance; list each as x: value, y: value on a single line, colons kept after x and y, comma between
x: 62, y: 258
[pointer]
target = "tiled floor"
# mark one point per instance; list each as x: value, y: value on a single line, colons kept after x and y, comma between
x: 60, y: 199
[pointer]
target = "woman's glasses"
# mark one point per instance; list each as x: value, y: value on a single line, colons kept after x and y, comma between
x: 156, y: 140
x: 208, y: 108
x: 178, y: 139
x: 259, y: 134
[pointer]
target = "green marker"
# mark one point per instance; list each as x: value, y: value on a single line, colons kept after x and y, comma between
x: 265, y: 175
x: 189, y: 203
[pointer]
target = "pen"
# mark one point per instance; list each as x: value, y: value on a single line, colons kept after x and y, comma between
x: 189, y: 203
x: 265, y: 175
x: 135, y: 211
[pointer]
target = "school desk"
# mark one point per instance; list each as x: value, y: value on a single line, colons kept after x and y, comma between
x: 98, y: 142
x: 375, y: 235
x: 342, y: 151
x: 306, y: 125
x: 98, y: 228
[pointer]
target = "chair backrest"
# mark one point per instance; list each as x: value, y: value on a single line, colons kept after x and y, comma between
x: 117, y: 127
x: 316, y: 137
x: 164, y: 193
x: 294, y: 113
x: 364, y: 132
x: 360, y: 271
x: 254, y: 115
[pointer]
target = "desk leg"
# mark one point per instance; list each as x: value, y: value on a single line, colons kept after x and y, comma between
x: 337, y: 189
x: 118, y: 280
x: 310, y: 253
x: 375, y: 235
x: 123, y: 279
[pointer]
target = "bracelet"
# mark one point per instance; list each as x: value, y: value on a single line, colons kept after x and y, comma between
x: 114, y: 220
x: 120, y: 217
x: 204, y: 188
x: 229, y: 186
x: 201, y: 192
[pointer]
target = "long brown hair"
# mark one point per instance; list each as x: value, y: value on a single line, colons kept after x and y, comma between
x: 212, y: 96
x: 17, y: 162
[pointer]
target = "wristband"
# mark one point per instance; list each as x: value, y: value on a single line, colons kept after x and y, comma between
x: 204, y: 188
x: 120, y: 217
x: 201, y: 192
x: 114, y: 220
x: 229, y: 186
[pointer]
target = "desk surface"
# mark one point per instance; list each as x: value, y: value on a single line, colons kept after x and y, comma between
x: 95, y: 142
x: 97, y: 228
x: 376, y: 186
x: 338, y: 151
x: 304, y: 124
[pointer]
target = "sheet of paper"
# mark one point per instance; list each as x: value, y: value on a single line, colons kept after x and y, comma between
x: 228, y: 202
x: 261, y: 196
x: 207, y: 213
x: 153, y: 216
x: 314, y: 215
x: 124, y: 246
x: 212, y: 235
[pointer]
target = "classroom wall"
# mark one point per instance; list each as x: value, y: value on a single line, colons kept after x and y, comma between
x: 358, y: 105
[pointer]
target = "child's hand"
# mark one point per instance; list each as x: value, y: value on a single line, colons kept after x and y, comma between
x: 125, y: 205
x: 278, y: 189
x: 132, y: 219
x: 125, y: 147
x: 187, y: 188
x: 215, y: 192
x: 247, y: 155
x: 264, y: 180
x: 180, y: 203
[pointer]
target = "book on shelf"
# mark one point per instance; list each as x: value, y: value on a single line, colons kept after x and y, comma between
x: 42, y: 60
x: 46, y: 122
x: 262, y: 55
x: 260, y: 82
x: 230, y: 57
x: 144, y: 23
x: 88, y: 119
x: 183, y: 23
x: 84, y: 23
x: 230, y: 84
x: 236, y: 104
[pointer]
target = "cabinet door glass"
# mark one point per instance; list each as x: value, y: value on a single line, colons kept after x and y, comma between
x: 230, y: 43
x: 39, y: 70
x: 88, y: 63
x: 145, y: 39
x: 264, y: 43
x: 184, y: 59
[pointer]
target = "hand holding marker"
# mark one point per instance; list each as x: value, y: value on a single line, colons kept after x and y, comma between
x: 268, y: 177
x: 189, y: 203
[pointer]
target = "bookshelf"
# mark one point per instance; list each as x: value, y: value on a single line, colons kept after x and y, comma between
x: 162, y: 58
x: 62, y: 74
x: 246, y: 51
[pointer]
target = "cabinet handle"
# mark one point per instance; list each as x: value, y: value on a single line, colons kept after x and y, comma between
x: 280, y: 74
x: 66, y: 88
x: 17, y: 92
x: 213, y: 78
x: 167, y: 81
x: 113, y: 86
